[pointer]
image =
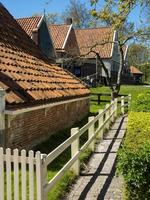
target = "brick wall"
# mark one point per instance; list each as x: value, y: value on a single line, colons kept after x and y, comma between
x: 28, y: 129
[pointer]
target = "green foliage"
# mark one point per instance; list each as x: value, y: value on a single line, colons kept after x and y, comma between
x: 138, y: 54
x: 62, y: 186
x: 138, y: 129
x: 134, y: 157
x: 145, y: 68
x: 141, y: 103
x: 120, y: 11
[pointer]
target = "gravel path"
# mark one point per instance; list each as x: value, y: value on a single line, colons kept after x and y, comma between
x: 99, y: 180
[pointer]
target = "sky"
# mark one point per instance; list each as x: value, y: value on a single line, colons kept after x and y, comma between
x: 26, y: 8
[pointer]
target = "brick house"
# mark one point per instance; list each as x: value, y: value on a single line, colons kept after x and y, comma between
x: 37, y: 29
x: 40, y: 98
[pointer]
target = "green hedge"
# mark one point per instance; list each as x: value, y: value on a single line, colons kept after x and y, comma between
x: 141, y: 103
x: 134, y: 157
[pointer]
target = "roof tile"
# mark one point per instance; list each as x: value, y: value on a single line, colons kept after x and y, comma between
x: 59, y: 34
x: 30, y: 23
x: 87, y: 38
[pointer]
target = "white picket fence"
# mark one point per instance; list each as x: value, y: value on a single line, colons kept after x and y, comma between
x: 24, y: 176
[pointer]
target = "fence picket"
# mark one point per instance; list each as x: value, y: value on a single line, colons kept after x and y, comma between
x: 8, y: 173
x: 16, y: 174
x: 39, y: 175
x: 23, y: 174
x: 1, y: 174
x: 31, y: 175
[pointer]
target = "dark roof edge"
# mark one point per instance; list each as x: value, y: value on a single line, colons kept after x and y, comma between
x: 1, y: 4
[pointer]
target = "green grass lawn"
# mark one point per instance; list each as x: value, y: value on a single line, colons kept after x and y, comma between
x: 125, y: 90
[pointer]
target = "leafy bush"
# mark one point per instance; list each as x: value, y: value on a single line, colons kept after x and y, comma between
x: 141, y: 103
x: 134, y: 157
x: 145, y: 68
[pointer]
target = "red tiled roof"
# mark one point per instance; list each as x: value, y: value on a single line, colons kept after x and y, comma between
x: 59, y: 34
x: 135, y: 70
x: 30, y: 23
x: 26, y: 74
x: 86, y: 38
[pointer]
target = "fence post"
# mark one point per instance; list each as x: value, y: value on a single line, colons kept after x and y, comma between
x: 122, y: 105
x: 91, y: 133
x: 107, y: 116
x: 112, y: 110
x: 2, y: 118
x: 100, y: 122
x: 116, y: 102
x: 44, y: 177
x: 99, y: 99
x: 74, y: 149
x: 129, y: 101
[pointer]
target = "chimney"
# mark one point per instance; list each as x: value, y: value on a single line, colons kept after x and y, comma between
x: 34, y: 36
x: 69, y: 21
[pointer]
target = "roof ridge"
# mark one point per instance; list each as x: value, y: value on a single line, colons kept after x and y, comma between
x: 93, y: 28
x: 29, y: 17
x: 59, y: 24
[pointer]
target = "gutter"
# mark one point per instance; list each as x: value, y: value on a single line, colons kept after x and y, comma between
x: 67, y: 37
x: 24, y: 110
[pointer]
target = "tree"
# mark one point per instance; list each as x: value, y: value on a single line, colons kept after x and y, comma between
x: 52, y: 18
x: 138, y: 54
x: 116, y: 14
x: 80, y: 14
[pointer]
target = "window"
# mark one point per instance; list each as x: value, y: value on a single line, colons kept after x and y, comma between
x: 77, y: 71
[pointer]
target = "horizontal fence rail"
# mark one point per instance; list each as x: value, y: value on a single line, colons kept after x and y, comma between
x: 99, y: 96
x: 31, y: 170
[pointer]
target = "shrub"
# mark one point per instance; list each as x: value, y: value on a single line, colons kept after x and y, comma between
x: 141, y: 103
x: 134, y: 157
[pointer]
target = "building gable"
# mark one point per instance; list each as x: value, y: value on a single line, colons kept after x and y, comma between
x: 37, y: 29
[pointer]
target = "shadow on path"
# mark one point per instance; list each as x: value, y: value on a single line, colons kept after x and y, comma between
x: 99, y: 169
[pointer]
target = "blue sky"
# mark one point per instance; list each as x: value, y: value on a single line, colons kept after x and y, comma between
x: 26, y: 8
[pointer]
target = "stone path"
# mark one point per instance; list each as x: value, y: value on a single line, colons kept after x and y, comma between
x: 99, y: 180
